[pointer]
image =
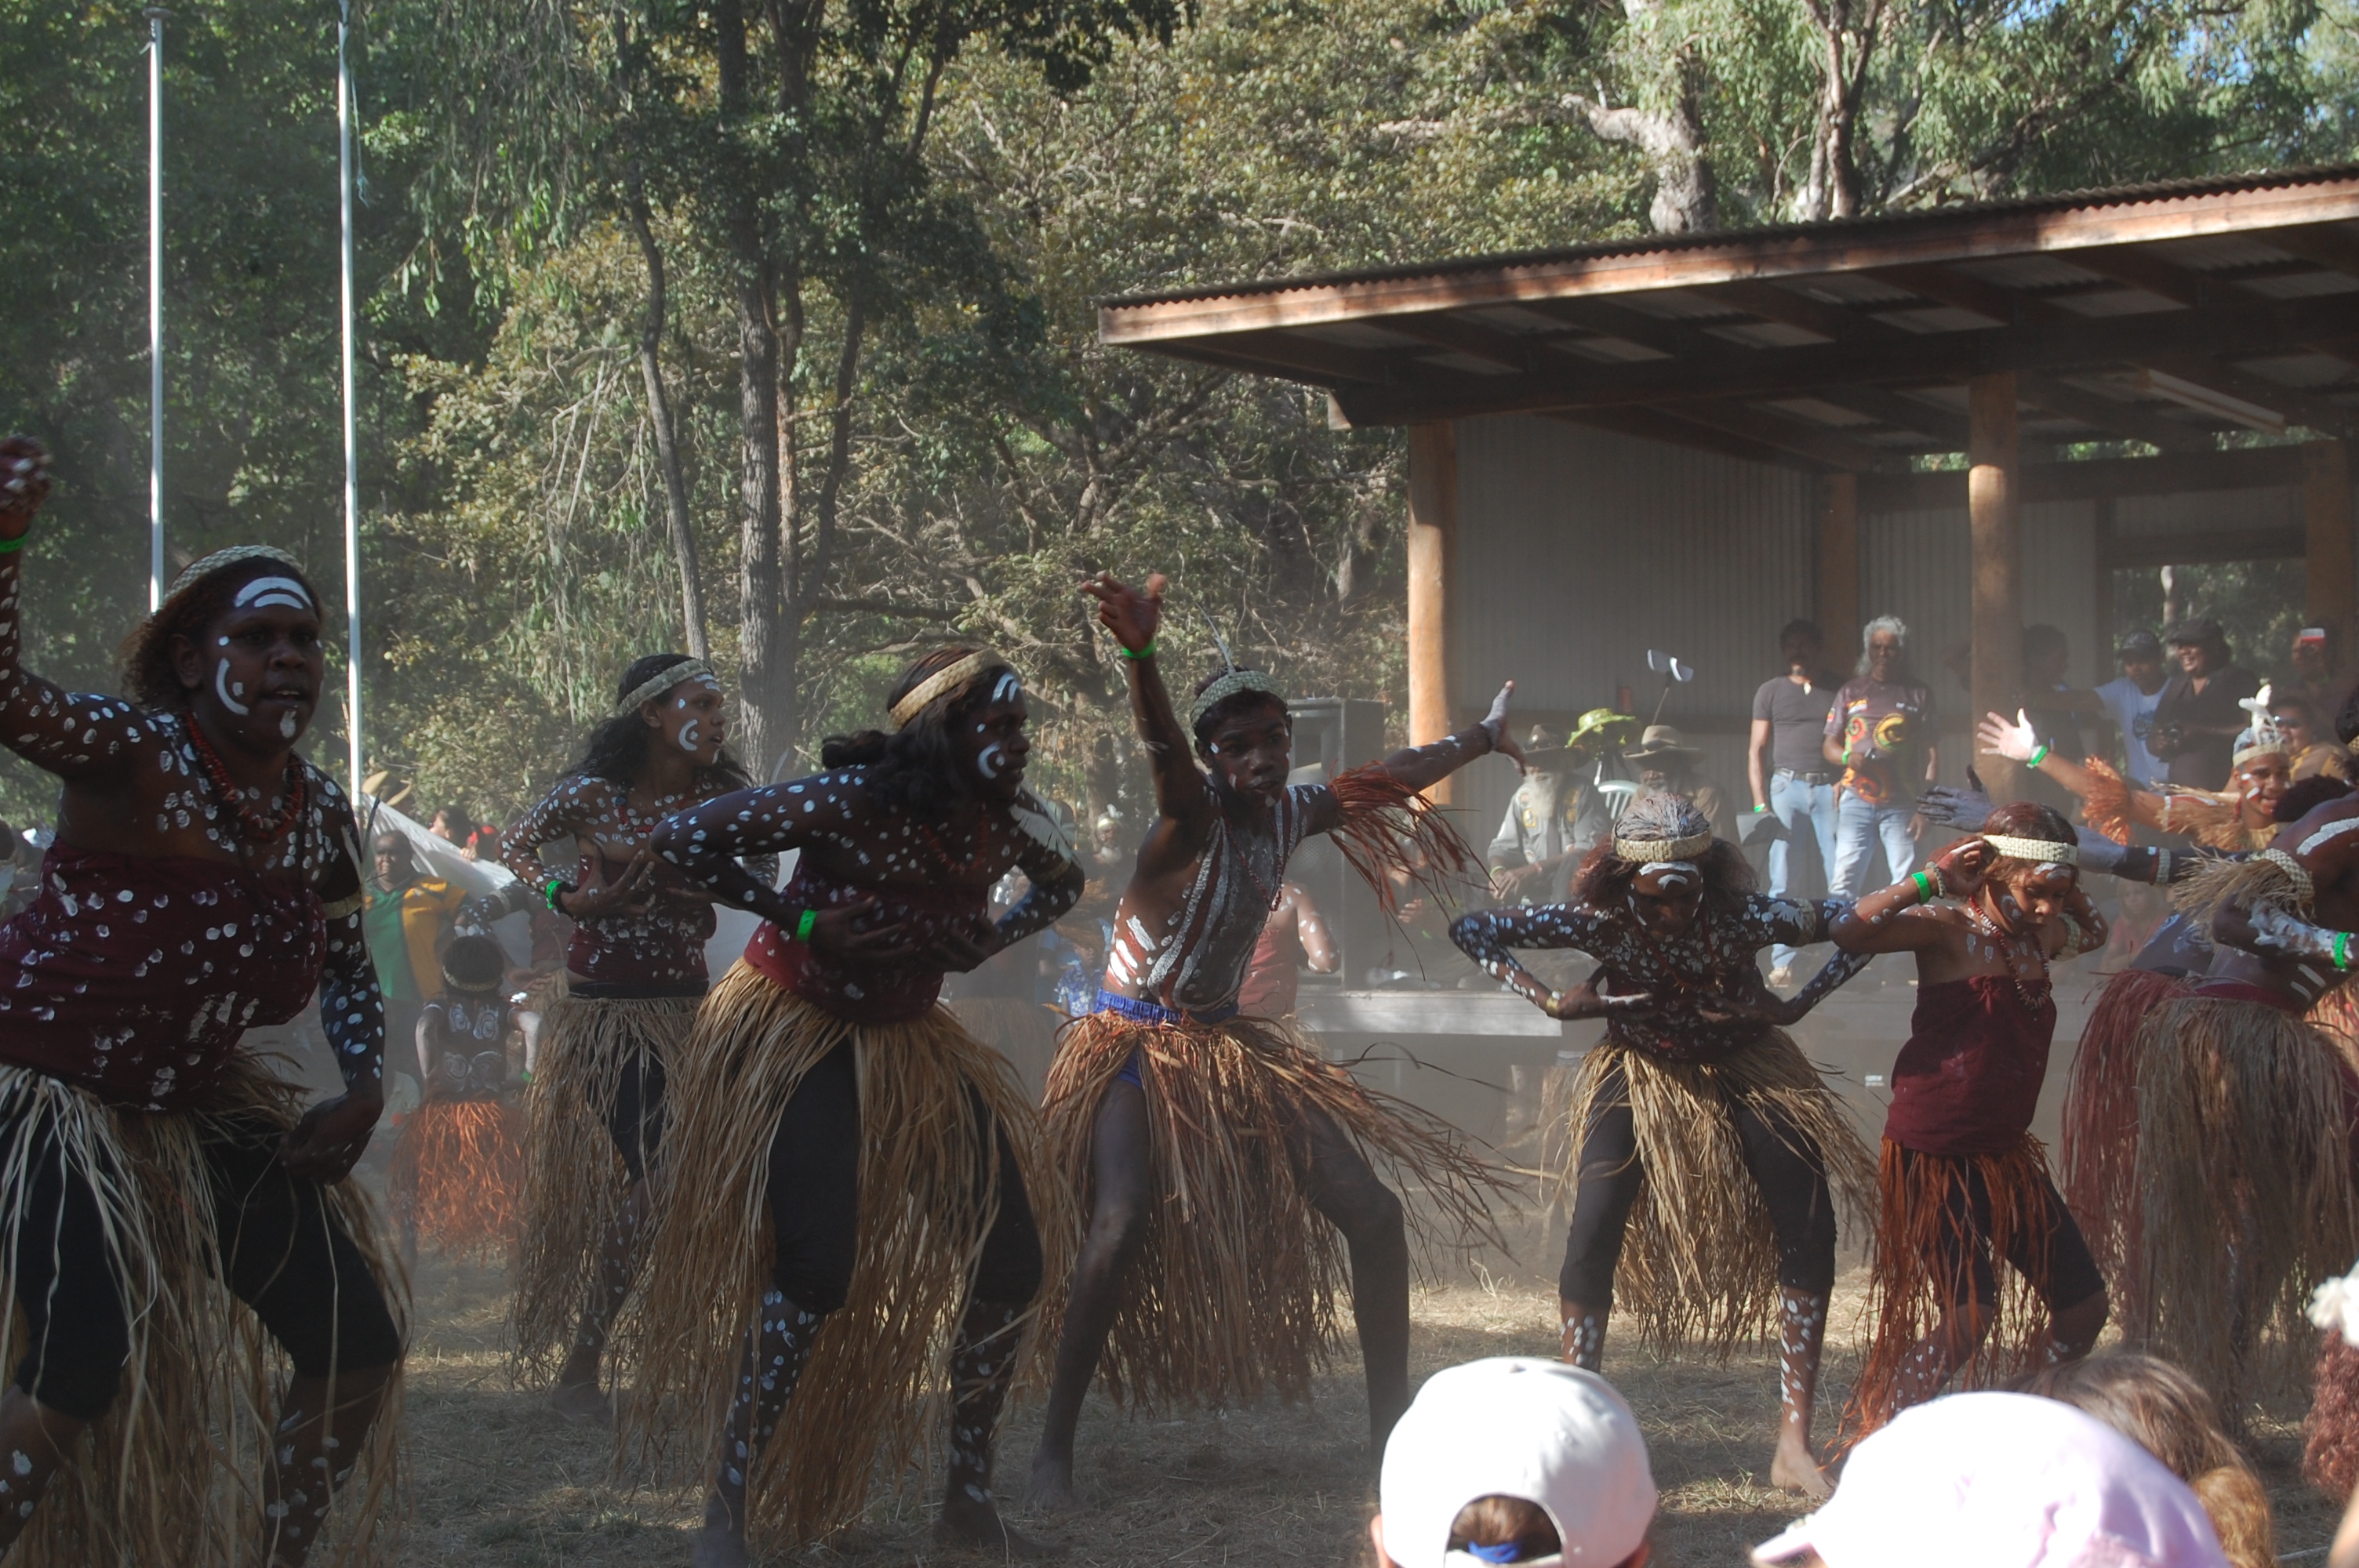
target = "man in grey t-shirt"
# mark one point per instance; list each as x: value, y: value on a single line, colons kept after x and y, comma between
x: 1789, y: 775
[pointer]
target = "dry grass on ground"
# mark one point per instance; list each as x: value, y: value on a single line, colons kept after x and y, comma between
x: 502, y: 1483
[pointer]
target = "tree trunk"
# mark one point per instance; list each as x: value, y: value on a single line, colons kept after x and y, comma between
x: 659, y: 412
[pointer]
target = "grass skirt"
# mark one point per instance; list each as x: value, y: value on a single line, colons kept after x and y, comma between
x: 1023, y: 1031
x: 2244, y: 1182
x: 1700, y: 1259
x: 575, y: 1182
x: 455, y: 1177
x: 2101, y: 1129
x: 174, y: 1472
x: 1233, y: 1288
x: 2330, y: 1448
x: 1906, y: 1292
x: 876, y: 1389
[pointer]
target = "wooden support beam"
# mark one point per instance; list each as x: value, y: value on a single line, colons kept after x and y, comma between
x: 1432, y: 531
x: 1472, y: 339
x: 2246, y: 468
x: 1817, y: 443
x: 2110, y: 414
x: 1789, y: 308
x: 1837, y: 610
x: 1608, y: 320
x: 2102, y: 525
x: 2330, y: 245
x: 1995, y: 512
x: 2002, y: 307
x: 2330, y: 571
x: 2142, y: 270
x: 1929, y: 420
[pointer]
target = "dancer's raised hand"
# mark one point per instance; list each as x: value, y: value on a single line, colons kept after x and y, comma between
x: 1590, y: 1000
x: 1494, y: 724
x: 1960, y: 867
x: 850, y: 931
x: 24, y: 484
x: 1131, y: 616
x: 2017, y: 740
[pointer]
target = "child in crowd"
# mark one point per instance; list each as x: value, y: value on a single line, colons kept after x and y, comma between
x: 457, y: 1166
x: 1514, y: 1460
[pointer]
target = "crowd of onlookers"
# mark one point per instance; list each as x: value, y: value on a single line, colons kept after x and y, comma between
x: 2117, y: 1461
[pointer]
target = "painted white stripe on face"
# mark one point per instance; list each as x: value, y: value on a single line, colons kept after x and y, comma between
x: 1008, y: 689
x: 221, y: 690
x: 991, y: 763
x: 281, y: 590
x: 691, y: 735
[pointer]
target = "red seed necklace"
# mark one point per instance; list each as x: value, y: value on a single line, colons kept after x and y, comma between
x: 258, y: 828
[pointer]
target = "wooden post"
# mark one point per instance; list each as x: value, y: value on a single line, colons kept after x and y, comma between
x: 1837, y: 612
x: 1433, y: 529
x: 1994, y: 498
x: 2331, y: 579
x: 2102, y: 515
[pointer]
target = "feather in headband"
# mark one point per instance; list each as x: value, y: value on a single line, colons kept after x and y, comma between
x: 950, y: 677
x: 662, y: 681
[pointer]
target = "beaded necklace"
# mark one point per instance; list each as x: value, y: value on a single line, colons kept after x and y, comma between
x: 2013, y: 942
x: 258, y: 828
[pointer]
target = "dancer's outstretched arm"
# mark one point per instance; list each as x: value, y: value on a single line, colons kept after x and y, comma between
x: 1184, y: 805
x: 1897, y: 919
x: 708, y: 841
x: 1420, y: 767
x: 1488, y: 936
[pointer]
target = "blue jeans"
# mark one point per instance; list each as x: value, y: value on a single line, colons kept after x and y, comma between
x: 1794, y: 801
x: 1858, y: 826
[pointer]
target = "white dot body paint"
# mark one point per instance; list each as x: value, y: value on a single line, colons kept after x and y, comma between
x: 221, y: 690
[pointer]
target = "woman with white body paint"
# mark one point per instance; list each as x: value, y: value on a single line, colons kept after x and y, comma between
x: 154, y: 1176
x: 1699, y: 1119
x: 634, y: 973
x: 841, y: 1148
x: 1965, y: 1185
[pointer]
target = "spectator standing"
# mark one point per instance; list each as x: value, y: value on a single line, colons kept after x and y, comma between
x: 1880, y: 731
x: 406, y: 922
x: 2129, y: 701
x: 2307, y: 756
x: 1514, y: 1460
x: 1666, y: 764
x: 2198, y: 718
x: 2314, y: 659
x: 1789, y: 775
x: 1552, y: 821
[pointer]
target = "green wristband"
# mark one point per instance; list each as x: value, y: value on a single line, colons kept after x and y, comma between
x: 10, y: 547
x: 553, y: 889
x: 1146, y: 653
x: 2342, y: 949
x: 2036, y: 758
x: 803, y: 927
x: 1924, y: 886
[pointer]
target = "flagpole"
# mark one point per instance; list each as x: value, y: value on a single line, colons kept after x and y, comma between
x: 155, y: 15
x: 351, y: 443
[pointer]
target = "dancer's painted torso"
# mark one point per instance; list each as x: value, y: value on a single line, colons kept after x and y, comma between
x: 1197, y: 960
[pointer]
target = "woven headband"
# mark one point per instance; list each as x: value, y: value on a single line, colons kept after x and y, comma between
x: 237, y: 554
x: 662, y: 681
x: 1234, y: 683
x: 2263, y: 749
x: 2041, y: 851
x: 1661, y: 851
x: 949, y: 679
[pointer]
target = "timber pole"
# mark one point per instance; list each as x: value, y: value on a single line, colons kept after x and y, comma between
x: 1432, y: 528
x: 2330, y: 577
x: 1837, y: 610
x: 1993, y: 499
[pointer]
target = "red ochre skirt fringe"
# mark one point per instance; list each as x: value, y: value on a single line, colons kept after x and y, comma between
x: 457, y: 1175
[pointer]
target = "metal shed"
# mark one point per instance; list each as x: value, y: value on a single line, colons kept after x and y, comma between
x: 1964, y: 416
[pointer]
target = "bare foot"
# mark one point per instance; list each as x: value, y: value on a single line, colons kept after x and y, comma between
x: 582, y: 1401
x: 720, y: 1544
x: 1793, y: 1470
x: 1051, y: 1490
x: 966, y: 1522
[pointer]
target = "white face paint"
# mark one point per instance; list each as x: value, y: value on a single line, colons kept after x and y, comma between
x: 284, y: 591
x: 221, y: 690
x: 286, y: 726
x: 691, y: 735
x: 991, y: 763
x: 1008, y: 689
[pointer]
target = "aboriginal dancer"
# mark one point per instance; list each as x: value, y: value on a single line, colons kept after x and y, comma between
x: 1217, y: 1156
x: 459, y: 1161
x: 2245, y: 1110
x: 1699, y: 1117
x: 848, y: 1167
x: 1965, y: 1184
x: 204, y: 879
x: 612, y: 1034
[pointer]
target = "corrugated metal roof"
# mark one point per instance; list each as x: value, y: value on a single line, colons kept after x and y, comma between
x: 1655, y: 244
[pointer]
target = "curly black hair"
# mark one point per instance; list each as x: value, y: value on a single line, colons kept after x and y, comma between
x: 617, y: 749
x: 914, y: 768
x: 2305, y: 795
x: 149, y: 678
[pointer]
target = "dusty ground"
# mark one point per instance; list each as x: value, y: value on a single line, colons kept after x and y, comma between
x: 502, y: 1483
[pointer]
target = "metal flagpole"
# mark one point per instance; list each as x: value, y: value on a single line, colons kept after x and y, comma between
x: 351, y: 443
x: 155, y: 15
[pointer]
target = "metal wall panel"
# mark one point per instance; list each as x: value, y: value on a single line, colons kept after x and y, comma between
x: 1579, y: 549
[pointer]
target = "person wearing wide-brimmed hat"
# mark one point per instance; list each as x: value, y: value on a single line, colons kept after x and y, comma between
x: 1553, y: 820
x: 1667, y: 764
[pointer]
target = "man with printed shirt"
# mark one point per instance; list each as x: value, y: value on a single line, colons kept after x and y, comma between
x: 1880, y: 732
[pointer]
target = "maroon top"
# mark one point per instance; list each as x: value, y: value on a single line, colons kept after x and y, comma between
x: 1969, y: 1078
x: 865, y: 993
x: 661, y: 949
x: 134, y: 977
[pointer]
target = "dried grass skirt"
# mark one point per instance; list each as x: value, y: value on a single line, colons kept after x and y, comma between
x: 2101, y: 1129
x: 1234, y: 1284
x: 456, y: 1176
x: 876, y: 1389
x: 574, y: 1181
x: 2244, y: 1188
x: 1698, y: 1258
x: 174, y: 1472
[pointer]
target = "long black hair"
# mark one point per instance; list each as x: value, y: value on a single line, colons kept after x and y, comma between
x: 914, y: 768
x: 617, y: 748
x: 149, y: 678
